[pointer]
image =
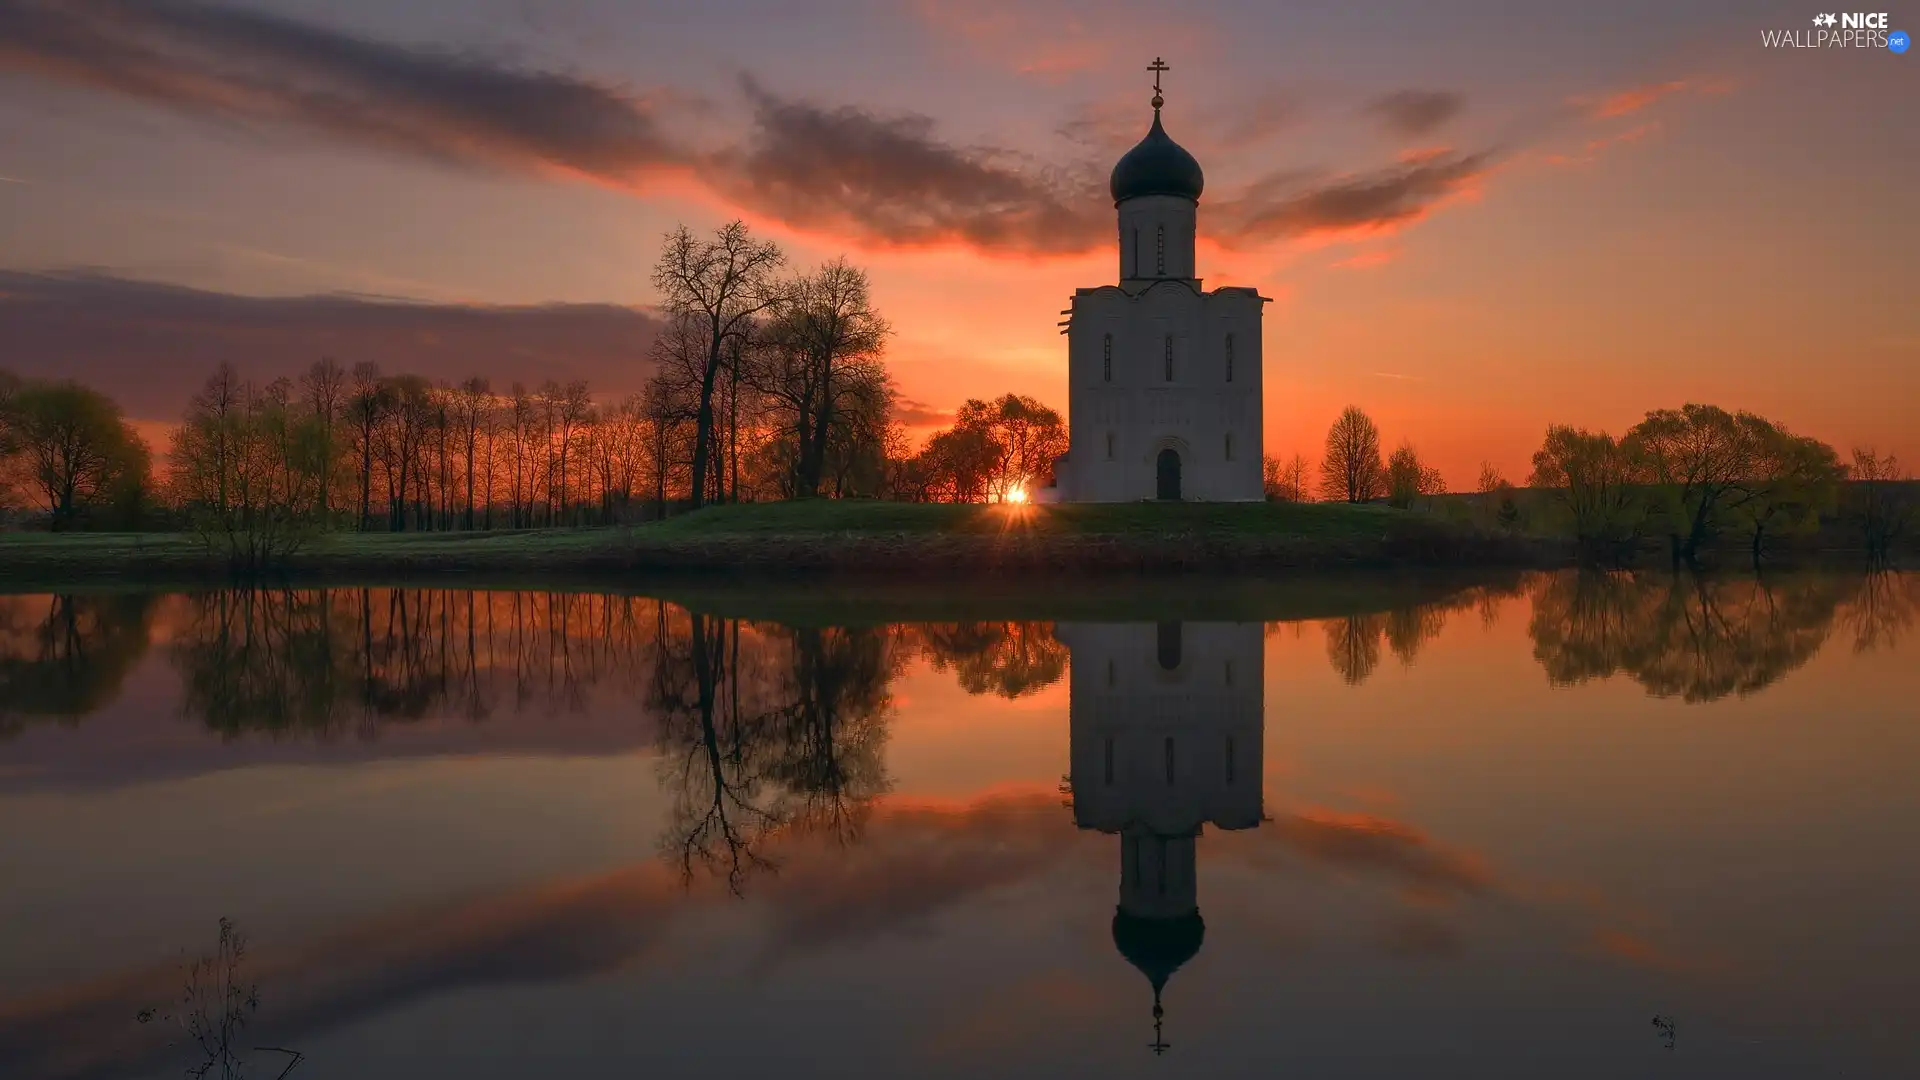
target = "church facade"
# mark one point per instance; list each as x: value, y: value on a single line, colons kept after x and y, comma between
x: 1164, y: 377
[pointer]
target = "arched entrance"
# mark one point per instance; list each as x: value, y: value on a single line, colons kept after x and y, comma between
x: 1168, y: 473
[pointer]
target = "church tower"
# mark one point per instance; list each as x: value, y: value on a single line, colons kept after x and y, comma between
x: 1164, y: 378
x: 1166, y: 724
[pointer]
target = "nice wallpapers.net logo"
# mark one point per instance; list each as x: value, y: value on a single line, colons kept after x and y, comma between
x: 1842, y: 30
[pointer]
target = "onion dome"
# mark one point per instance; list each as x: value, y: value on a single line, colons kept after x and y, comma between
x: 1157, y: 166
x: 1158, y: 947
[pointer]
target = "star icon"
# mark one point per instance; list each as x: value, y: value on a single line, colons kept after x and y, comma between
x: 1830, y: 19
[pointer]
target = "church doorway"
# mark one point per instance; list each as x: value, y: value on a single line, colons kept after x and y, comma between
x: 1168, y: 486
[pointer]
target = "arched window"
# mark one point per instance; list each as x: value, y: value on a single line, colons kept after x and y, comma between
x: 1169, y: 357
x: 1167, y: 647
x: 1160, y: 250
x: 1106, y: 359
x: 1229, y: 446
x: 1229, y: 357
x: 1109, y: 446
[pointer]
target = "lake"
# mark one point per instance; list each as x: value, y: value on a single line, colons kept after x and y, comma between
x: 1548, y: 825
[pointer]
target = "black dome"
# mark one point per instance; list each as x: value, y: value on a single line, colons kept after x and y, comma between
x: 1158, y: 946
x: 1157, y: 166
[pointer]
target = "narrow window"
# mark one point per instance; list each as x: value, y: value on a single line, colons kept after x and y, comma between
x: 1109, y: 446
x: 1136, y: 253
x: 1229, y: 446
x: 1163, y: 871
x: 1109, y: 663
x: 1109, y: 749
x: 1167, y: 645
x: 1229, y: 357
x: 1106, y: 359
x: 1160, y: 250
x: 1169, y: 357
x: 1169, y: 759
x: 1229, y: 673
x: 1229, y: 759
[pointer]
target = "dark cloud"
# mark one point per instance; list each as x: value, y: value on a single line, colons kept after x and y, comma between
x: 250, y: 65
x: 883, y: 179
x: 154, y: 344
x: 919, y: 414
x: 1415, y: 112
x: 890, y: 180
x: 1290, y: 204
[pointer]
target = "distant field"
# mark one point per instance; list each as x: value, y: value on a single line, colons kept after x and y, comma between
x: 838, y: 537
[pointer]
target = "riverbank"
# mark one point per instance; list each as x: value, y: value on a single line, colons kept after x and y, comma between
x: 901, y: 541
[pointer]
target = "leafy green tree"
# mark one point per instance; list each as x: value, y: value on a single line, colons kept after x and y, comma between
x: 1408, y: 478
x: 1701, y: 463
x: 1796, y: 480
x: 76, y: 454
x: 1593, y: 481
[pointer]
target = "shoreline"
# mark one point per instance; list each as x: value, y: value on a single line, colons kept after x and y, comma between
x: 868, y: 542
x: 622, y: 556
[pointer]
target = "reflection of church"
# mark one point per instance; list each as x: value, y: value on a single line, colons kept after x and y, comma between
x: 1166, y: 738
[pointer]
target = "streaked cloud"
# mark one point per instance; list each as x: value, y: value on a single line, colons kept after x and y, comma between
x: 1631, y: 100
x: 1415, y: 112
x: 1353, y: 204
x: 874, y: 178
x: 890, y: 179
x: 153, y: 344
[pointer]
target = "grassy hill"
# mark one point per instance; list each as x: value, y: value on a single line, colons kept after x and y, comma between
x: 852, y: 537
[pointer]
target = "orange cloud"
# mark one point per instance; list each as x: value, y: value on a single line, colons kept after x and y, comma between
x: 1367, y: 260
x: 1632, y: 100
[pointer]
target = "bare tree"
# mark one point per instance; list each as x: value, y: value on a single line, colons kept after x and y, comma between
x: 821, y: 352
x: 719, y: 284
x: 1351, y: 468
x: 324, y: 389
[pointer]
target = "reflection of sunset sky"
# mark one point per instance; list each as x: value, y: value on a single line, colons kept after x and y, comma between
x: 1622, y: 208
x: 1450, y: 839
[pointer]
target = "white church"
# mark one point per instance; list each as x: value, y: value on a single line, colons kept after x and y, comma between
x: 1163, y: 396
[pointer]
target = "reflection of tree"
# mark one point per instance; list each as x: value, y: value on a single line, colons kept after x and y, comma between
x: 764, y: 730
x: 1353, y: 646
x: 330, y: 660
x: 65, y: 656
x: 1354, y: 641
x: 1884, y: 606
x: 1004, y: 658
x: 1696, y: 638
x: 834, y: 733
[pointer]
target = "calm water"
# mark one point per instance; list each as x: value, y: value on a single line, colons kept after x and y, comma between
x: 1346, y: 830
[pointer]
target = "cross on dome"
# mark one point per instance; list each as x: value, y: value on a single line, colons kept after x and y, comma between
x: 1157, y: 67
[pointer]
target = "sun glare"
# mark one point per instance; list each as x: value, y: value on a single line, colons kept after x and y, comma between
x: 1017, y: 495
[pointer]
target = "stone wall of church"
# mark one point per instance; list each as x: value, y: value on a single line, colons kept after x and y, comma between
x: 1157, y: 238
x: 1164, y: 368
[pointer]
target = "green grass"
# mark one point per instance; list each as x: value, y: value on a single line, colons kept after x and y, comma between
x: 855, y: 537
x: 815, y: 517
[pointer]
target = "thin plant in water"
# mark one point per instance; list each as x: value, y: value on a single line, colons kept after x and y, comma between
x: 216, y: 1005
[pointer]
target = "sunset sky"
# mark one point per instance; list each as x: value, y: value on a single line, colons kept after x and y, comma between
x: 1475, y: 218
